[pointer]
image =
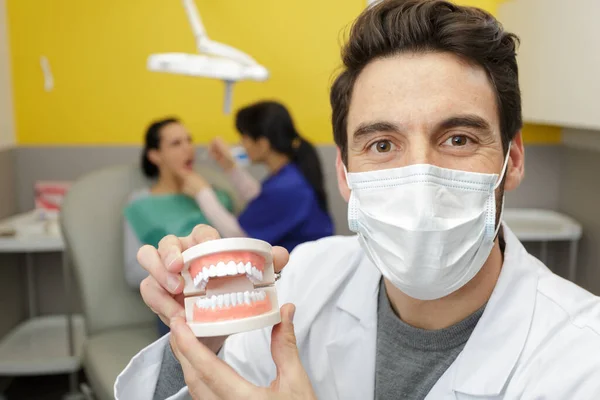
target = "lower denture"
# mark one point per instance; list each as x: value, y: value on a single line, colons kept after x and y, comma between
x: 227, y: 313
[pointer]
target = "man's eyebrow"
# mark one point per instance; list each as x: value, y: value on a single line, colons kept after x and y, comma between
x: 465, y: 121
x: 457, y: 121
x: 368, y: 128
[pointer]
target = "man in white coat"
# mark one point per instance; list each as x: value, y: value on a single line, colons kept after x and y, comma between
x: 433, y: 298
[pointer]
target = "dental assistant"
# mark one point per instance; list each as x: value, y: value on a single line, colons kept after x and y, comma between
x: 290, y: 206
x: 434, y: 298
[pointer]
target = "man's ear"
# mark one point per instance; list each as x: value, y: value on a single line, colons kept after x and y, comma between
x: 341, y: 176
x: 515, y: 170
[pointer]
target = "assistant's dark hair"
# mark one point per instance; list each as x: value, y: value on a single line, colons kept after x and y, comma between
x: 152, y: 141
x: 398, y: 26
x: 271, y: 120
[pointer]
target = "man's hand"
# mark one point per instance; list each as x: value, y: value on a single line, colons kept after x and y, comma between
x: 162, y: 290
x: 208, y: 377
x: 221, y: 153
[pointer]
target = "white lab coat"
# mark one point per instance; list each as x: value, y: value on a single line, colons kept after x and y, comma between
x: 538, y: 338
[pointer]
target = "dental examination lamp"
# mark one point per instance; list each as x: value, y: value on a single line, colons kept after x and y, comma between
x: 216, y: 61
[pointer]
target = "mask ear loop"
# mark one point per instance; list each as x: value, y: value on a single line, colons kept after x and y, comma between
x: 352, y: 205
x: 504, y: 168
x: 346, y: 176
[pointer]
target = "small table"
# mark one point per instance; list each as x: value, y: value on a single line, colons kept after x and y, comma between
x: 538, y: 225
x: 42, y: 345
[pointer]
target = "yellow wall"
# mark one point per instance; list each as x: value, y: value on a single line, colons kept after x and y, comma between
x: 7, y: 135
x: 104, y: 95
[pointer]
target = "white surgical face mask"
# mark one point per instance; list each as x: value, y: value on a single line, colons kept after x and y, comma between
x: 429, y: 230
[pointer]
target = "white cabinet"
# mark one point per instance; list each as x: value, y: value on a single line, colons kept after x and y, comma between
x: 559, y: 59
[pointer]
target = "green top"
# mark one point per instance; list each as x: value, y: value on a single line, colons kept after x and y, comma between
x: 156, y: 216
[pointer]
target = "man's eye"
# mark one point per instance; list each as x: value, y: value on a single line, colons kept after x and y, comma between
x: 382, y: 146
x: 458, y: 140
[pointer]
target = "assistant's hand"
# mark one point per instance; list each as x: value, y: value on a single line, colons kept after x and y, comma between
x: 162, y: 290
x: 221, y: 153
x: 208, y: 377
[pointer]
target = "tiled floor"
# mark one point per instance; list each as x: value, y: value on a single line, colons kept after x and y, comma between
x: 39, y: 387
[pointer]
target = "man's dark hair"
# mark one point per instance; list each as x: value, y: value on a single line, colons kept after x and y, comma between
x: 418, y: 26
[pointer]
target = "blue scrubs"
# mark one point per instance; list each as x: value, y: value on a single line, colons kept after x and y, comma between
x: 286, y: 212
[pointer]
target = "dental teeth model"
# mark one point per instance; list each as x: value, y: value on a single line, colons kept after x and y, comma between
x: 229, y: 287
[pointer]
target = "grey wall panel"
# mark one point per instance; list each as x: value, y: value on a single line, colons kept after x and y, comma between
x: 540, y: 188
x: 580, y: 198
x: 12, y: 288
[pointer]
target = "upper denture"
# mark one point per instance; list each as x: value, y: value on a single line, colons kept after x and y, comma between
x: 226, y: 264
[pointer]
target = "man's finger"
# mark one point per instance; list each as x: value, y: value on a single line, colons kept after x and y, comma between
x: 200, y: 234
x: 160, y: 301
x: 280, y: 258
x: 283, y: 343
x: 219, y: 377
x: 150, y: 260
x: 197, y: 388
x: 170, y: 249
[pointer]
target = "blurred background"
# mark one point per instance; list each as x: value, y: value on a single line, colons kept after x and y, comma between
x: 76, y: 97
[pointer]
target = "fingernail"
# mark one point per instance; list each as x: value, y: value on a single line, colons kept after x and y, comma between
x: 173, y: 282
x: 292, y: 314
x: 172, y: 257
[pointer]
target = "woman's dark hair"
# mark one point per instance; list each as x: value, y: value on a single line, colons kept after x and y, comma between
x: 271, y: 120
x: 151, y: 142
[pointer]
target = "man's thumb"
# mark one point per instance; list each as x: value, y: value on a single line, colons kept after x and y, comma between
x: 283, y: 341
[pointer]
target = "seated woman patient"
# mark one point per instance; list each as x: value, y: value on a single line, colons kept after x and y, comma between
x: 290, y: 206
x: 169, y: 205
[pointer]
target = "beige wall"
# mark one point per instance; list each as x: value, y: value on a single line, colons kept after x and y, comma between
x: 558, y: 59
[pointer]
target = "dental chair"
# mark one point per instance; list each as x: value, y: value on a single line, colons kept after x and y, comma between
x: 118, y: 323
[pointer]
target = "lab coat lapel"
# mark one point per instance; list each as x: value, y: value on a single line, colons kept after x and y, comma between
x: 352, y: 350
x: 495, y: 345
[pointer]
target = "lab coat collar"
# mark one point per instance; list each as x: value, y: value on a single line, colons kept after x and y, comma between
x: 361, y: 290
x: 492, y: 351
x: 354, y: 339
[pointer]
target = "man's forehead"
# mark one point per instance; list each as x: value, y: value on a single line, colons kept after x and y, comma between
x: 421, y: 88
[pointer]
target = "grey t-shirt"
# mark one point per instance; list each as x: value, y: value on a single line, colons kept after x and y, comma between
x: 170, y: 378
x: 409, y: 361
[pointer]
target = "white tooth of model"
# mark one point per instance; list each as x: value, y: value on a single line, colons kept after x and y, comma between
x: 232, y: 268
x: 227, y: 64
x: 240, y: 268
